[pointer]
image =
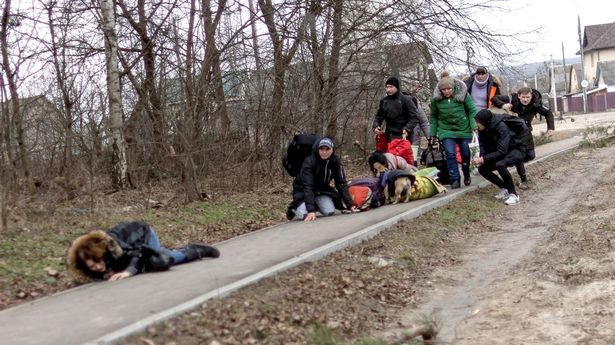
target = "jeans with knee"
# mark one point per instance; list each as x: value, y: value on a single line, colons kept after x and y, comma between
x: 154, y: 242
x: 324, y: 204
x: 451, y: 159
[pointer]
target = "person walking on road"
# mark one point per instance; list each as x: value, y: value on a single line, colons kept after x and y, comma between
x: 500, y: 148
x: 451, y: 119
x: 397, y: 110
x: 126, y: 250
x: 526, y: 103
x: 421, y: 127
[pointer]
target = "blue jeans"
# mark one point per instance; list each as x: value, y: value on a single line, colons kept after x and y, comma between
x: 154, y: 242
x: 324, y: 203
x: 451, y: 160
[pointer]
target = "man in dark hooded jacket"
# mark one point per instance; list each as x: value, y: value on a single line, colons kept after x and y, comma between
x: 312, y: 189
x: 527, y: 102
x: 500, y: 148
x: 398, y: 110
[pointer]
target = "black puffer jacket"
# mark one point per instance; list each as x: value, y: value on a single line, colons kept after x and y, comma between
x: 399, y: 112
x: 527, y: 112
x: 315, y: 179
x: 497, y: 140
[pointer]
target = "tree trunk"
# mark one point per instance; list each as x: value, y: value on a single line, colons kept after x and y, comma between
x: 281, y: 61
x: 62, y: 79
x: 119, y: 172
x: 211, y: 63
x: 330, y: 109
x: 17, y: 115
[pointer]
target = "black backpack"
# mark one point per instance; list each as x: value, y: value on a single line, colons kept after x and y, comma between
x: 297, y: 151
x: 522, y: 134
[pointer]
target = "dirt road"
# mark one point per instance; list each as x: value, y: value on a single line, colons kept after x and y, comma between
x: 546, y: 275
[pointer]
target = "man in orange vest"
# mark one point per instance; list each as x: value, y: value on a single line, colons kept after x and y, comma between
x: 482, y: 86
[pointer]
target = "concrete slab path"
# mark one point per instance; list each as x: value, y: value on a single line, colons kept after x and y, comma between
x: 101, y: 313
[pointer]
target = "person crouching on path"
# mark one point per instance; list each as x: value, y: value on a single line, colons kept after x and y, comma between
x: 451, y: 119
x: 126, y: 250
x: 527, y: 102
x: 500, y: 148
x: 398, y: 111
x: 312, y: 189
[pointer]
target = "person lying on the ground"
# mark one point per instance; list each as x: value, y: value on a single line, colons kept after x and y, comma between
x: 312, y: 190
x: 526, y: 103
x: 126, y: 250
x: 379, y: 161
x: 500, y: 148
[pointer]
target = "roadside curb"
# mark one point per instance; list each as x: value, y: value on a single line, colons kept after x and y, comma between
x: 309, y: 256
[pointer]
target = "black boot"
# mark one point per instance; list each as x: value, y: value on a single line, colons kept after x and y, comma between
x: 455, y: 184
x: 467, y: 179
x: 199, y: 251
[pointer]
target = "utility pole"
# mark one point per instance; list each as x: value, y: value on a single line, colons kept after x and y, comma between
x: 535, y: 81
x: 583, y: 81
x: 565, y: 73
x: 553, y: 90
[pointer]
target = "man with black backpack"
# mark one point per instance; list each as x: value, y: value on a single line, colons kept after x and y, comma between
x: 312, y: 190
x: 527, y: 102
x: 502, y: 141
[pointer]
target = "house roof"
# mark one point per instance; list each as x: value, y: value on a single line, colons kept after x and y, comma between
x: 606, y: 70
x: 600, y: 36
x: 576, y: 69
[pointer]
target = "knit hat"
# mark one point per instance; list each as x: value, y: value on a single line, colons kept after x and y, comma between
x: 326, y: 142
x: 484, y: 117
x: 393, y: 81
x: 446, y: 81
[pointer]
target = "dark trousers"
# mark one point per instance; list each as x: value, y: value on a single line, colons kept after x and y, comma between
x: 531, y: 154
x: 505, y: 179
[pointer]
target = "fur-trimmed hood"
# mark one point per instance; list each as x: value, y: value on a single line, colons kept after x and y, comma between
x: 460, y: 91
x: 74, y: 265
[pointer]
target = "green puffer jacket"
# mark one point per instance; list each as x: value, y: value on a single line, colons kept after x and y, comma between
x: 452, y: 117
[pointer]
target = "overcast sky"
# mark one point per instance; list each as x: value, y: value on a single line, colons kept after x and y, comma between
x: 558, y: 19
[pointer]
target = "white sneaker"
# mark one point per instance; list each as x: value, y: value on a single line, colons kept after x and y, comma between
x: 503, y: 195
x: 513, y: 199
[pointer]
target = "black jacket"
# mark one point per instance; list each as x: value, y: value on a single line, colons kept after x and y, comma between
x: 492, y: 87
x: 399, y: 112
x: 125, y: 250
x: 527, y: 112
x: 497, y: 140
x: 315, y: 179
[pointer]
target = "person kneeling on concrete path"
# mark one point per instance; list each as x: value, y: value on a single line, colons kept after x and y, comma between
x: 500, y: 148
x: 126, y: 250
x: 312, y: 189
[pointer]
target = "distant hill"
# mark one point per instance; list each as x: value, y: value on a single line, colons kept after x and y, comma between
x: 530, y: 69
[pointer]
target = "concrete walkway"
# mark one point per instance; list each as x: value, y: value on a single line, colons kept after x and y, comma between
x: 101, y: 313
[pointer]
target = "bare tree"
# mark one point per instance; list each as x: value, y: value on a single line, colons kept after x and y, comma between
x: 11, y: 75
x: 119, y: 174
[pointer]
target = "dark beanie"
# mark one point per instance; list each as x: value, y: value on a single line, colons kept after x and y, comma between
x: 484, y: 117
x: 393, y: 81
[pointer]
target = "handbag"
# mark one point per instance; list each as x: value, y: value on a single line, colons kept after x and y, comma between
x: 434, y: 156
